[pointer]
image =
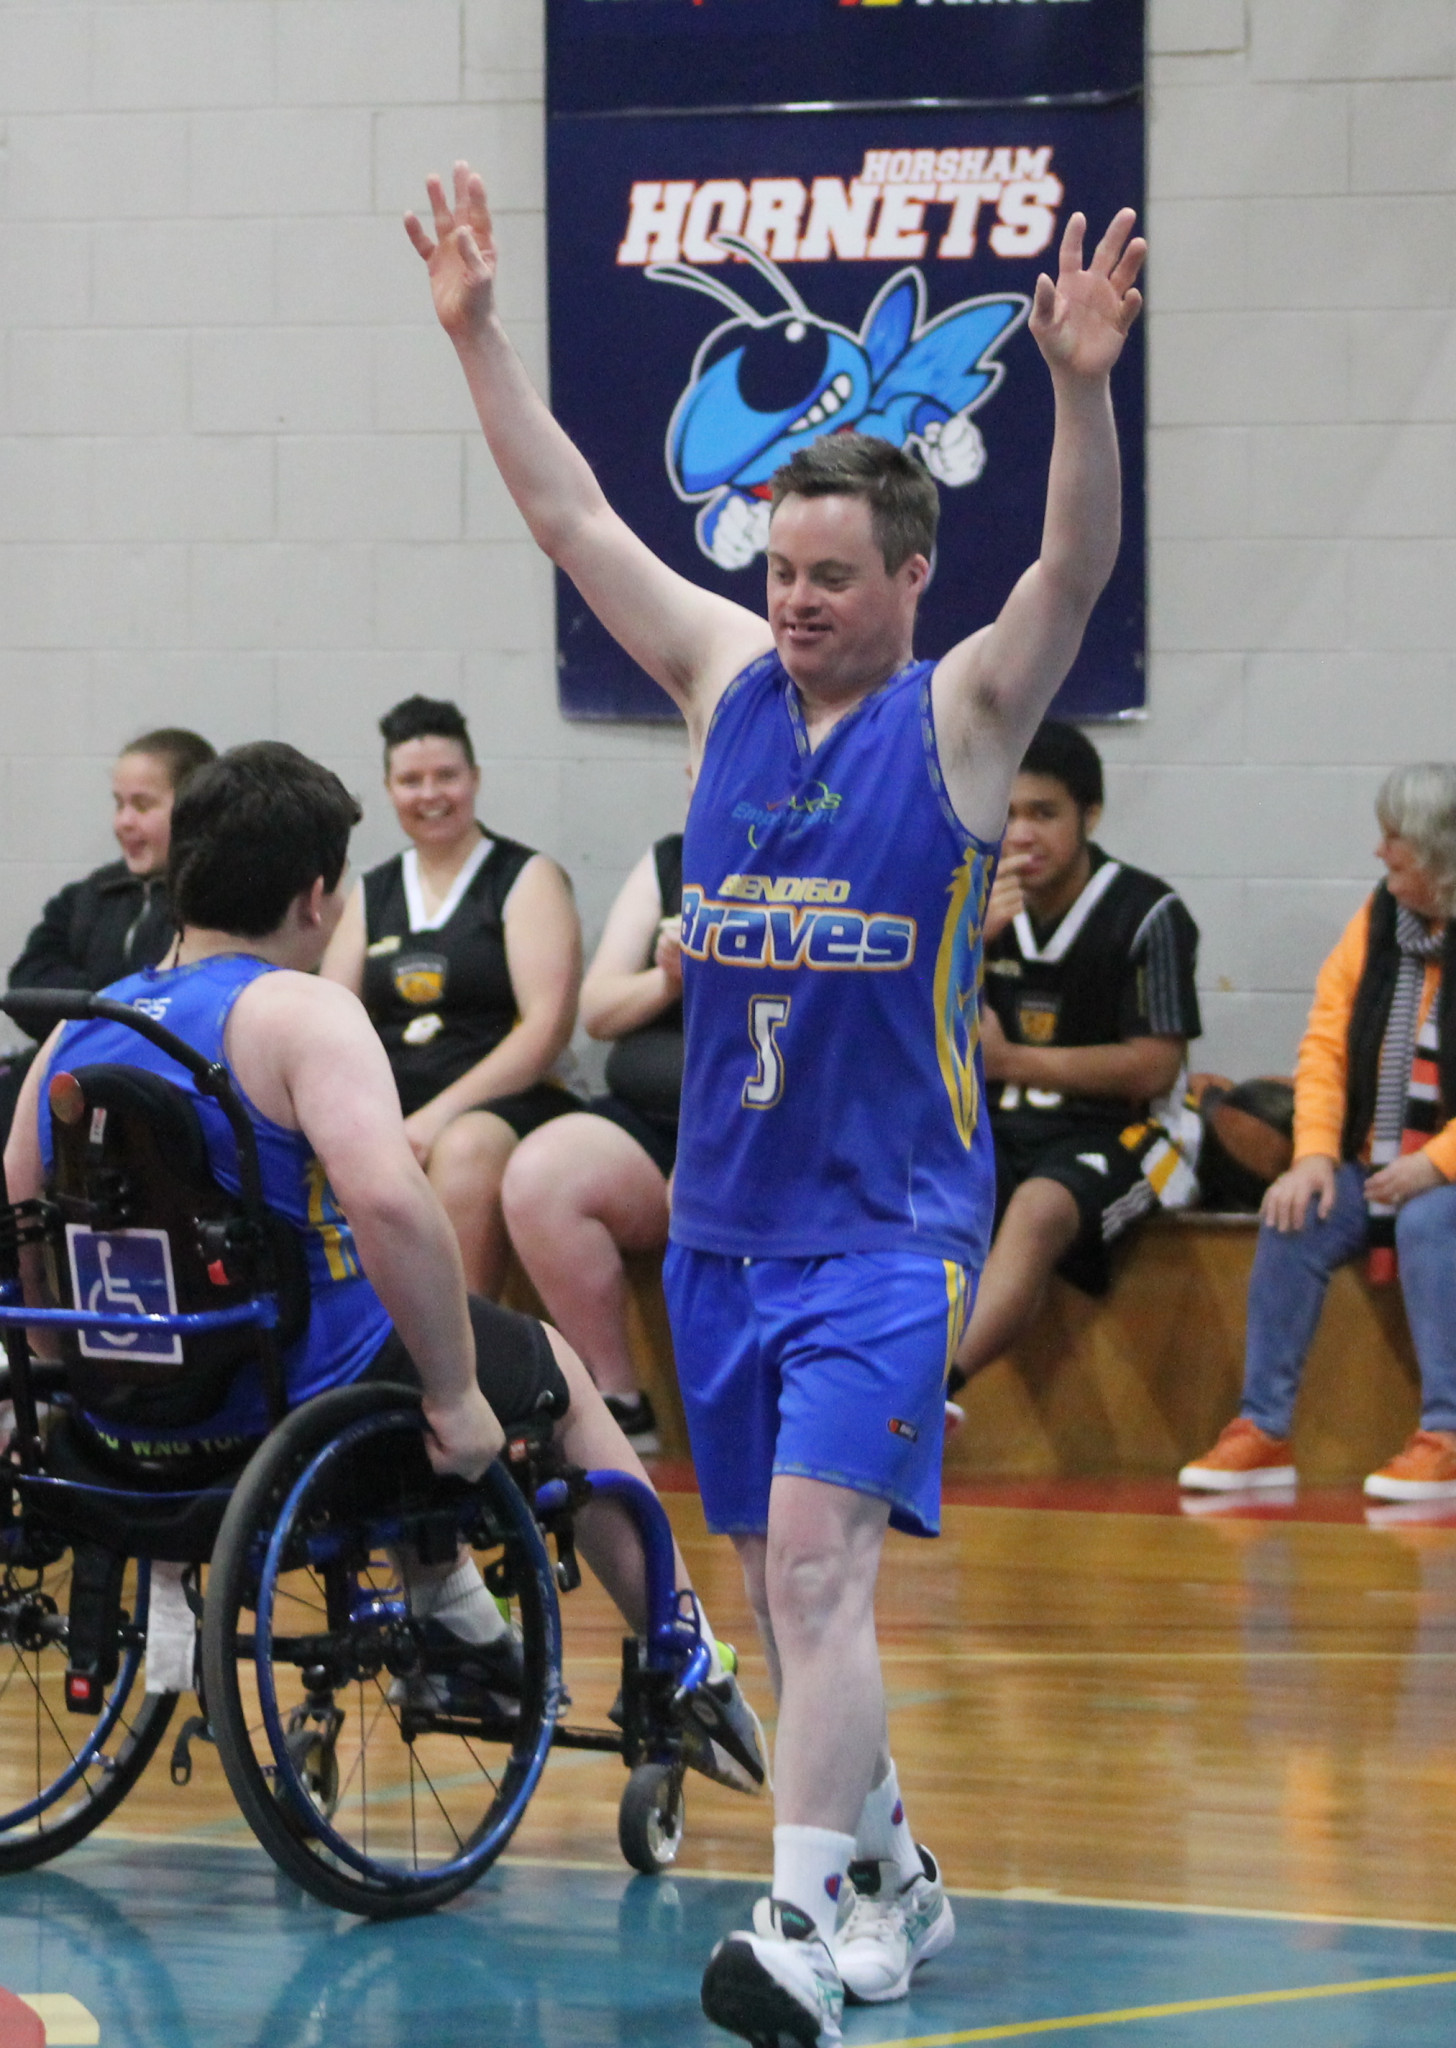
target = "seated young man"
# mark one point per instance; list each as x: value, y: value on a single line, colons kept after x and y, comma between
x: 1089, y: 1005
x: 256, y: 870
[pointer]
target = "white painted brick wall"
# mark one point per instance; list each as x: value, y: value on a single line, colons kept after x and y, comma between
x: 241, y: 485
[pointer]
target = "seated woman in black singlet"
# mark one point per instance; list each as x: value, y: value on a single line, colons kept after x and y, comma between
x: 466, y: 950
x: 590, y: 1187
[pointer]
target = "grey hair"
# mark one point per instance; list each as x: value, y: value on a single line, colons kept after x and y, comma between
x: 1418, y: 804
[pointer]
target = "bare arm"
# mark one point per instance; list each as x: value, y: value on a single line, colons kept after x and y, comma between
x: 636, y: 972
x: 307, y: 1054
x: 991, y: 691
x: 1131, y: 1070
x: 344, y: 960
x: 690, y: 640
x: 543, y: 955
x: 25, y: 1179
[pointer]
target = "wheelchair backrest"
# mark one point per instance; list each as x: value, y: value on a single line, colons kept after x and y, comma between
x: 140, y: 1225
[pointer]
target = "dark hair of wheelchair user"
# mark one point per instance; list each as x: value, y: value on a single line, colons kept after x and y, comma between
x: 258, y: 857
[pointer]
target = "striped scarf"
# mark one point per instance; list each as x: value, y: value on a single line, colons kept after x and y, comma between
x: 1408, y: 1095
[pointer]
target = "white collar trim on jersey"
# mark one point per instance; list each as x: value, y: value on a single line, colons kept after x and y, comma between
x: 420, y: 919
x: 1098, y: 884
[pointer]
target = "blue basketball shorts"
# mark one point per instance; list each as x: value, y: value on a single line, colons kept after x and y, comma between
x: 830, y: 1368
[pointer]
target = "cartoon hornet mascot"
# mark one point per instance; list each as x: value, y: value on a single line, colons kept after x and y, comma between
x: 764, y: 385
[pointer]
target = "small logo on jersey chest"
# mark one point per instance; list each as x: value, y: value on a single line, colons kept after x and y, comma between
x: 899, y: 1427
x: 420, y: 979
x: 1036, y: 1017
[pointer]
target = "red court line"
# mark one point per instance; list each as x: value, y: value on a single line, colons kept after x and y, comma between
x: 1118, y: 1496
x: 19, y: 2026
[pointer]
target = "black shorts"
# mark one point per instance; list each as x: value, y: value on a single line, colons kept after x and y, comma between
x: 514, y: 1364
x: 525, y: 1111
x: 658, y: 1140
x: 1089, y: 1160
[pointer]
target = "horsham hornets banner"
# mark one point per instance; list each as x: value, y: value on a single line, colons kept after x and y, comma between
x: 801, y: 254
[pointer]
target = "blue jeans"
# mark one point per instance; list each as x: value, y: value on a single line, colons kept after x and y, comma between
x: 1287, y: 1292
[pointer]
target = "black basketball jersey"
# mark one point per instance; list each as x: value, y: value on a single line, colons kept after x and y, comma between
x: 440, y: 996
x: 644, y: 1066
x: 1118, y: 964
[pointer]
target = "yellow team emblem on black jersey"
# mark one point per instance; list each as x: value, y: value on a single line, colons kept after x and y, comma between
x: 1036, y: 1017
x: 420, y: 981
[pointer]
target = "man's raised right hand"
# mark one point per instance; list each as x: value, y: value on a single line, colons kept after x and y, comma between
x: 462, y: 259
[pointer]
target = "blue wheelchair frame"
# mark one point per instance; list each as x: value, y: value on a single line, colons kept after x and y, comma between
x: 660, y: 1671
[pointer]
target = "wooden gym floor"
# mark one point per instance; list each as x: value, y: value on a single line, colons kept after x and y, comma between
x: 1192, y: 1777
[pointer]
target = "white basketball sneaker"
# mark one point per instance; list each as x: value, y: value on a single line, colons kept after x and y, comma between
x: 777, y: 1986
x: 891, y: 1929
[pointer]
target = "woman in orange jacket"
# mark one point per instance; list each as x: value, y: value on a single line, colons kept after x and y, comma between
x: 1374, y: 1156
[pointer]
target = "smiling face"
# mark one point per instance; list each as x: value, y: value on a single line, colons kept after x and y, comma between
x: 1408, y: 880
x: 1046, y: 835
x: 433, y: 789
x: 842, y: 623
x: 141, y: 797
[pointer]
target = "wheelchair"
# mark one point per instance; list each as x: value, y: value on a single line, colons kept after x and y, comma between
x: 372, y: 1768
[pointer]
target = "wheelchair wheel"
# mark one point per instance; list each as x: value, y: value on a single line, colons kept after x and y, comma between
x: 650, y: 1818
x: 378, y: 1784
x: 61, y: 1773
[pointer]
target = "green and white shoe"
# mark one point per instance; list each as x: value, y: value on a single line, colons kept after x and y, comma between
x: 891, y: 1929
x: 778, y: 1984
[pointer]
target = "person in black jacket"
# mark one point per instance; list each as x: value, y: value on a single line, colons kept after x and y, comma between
x: 116, y: 919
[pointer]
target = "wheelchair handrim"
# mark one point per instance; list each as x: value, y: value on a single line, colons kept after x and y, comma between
x: 115, y: 1700
x: 528, y: 1769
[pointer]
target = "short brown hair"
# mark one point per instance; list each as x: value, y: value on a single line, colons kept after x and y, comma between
x: 900, y: 492
x: 183, y: 751
x: 251, y: 831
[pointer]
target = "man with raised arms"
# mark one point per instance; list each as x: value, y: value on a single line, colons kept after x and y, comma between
x: 834, y: 1188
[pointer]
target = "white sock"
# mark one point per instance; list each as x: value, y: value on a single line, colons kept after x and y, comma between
x: 809, y: 1871
x: 460, y: 1602
x: 883, y: 1834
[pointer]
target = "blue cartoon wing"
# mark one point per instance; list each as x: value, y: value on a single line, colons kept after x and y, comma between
x: 891, y: 321
x: 945, y: 369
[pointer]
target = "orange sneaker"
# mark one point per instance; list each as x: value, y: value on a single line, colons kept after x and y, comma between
x: 1244, y: 1456
x: 1424, y: 1470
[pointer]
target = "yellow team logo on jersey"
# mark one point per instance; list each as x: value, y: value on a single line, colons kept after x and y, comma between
x: 420, y: 982
x: 1036, y: 1017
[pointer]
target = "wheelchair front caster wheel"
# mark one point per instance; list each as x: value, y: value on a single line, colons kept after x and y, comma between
x: 650, y: 1818
x: 316, y: 1767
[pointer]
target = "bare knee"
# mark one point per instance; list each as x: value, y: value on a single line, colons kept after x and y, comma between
x: 471, y: 1154
x: 537, y: 1182
x: 816, y: 1589
x: 1041, y: 1215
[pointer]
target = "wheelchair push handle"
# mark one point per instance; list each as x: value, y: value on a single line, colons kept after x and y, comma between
x: 39, y: 1010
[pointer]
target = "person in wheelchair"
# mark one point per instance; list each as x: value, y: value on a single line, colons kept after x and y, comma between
x: 256, y: 875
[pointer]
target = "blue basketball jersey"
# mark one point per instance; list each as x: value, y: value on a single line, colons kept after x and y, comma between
x: 832, y: 911
x: 347, y: 1322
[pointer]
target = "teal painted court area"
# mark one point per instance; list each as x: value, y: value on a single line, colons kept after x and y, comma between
x: 174, y: 1946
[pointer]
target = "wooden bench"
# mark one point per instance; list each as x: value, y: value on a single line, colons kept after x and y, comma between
x: 1142, y: 1380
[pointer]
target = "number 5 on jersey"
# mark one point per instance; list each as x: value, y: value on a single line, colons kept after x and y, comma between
x: 766, y: 1015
